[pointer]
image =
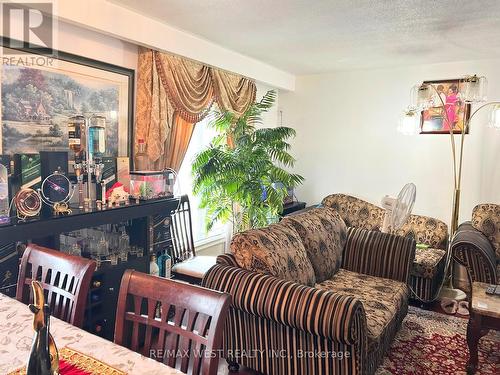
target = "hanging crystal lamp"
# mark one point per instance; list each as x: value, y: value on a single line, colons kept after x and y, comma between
x: 409, y: 123
x: 473, y: 89
x: 495, y: 117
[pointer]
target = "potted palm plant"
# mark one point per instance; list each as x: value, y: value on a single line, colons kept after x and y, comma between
x: 241, y: 176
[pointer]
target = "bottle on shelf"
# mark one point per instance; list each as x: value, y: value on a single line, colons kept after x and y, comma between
x: 141, y: 162
x: 154, y: 270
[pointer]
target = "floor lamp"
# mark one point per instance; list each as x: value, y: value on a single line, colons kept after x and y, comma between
x: 471, y: 90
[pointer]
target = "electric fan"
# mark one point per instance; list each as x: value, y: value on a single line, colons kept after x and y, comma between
x: 397, y: 210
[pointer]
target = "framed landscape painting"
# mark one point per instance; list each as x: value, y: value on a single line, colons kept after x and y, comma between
x: 39, y: 96
x: 448, y: 112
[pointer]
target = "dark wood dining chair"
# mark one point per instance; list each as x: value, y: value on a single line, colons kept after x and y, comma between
x: 173, y: 322
x: 65, y: 280
x: 187, y: 266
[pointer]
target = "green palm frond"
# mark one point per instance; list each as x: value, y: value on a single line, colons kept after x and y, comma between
x: 244, y: 184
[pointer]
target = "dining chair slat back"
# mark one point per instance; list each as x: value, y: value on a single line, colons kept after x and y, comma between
x: 65, y: 279
x: 172, y: 322
x: 182, y: 232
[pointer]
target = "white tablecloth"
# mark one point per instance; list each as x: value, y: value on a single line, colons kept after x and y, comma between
x: 16, y: 334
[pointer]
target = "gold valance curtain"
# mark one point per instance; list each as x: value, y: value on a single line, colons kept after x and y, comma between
x: 175, y: 93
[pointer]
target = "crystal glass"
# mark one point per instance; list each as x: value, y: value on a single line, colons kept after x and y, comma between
x: 123, y: 245
x: 133, y: 250
x: 409, y: 123
x: 123, y: 254
x: 75, y: 250
x: 4, y: 195
x: 421, y: 96
x: 102, y: 249
x: 63, y: 243
x: 495, y: 117
x: 113, y: 257
x: 114, y: 239
x: 473, y: 89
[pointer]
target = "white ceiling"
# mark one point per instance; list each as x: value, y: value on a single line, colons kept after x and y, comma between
x: 317, y: 36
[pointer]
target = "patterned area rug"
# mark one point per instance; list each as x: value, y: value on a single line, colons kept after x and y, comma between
x: 431, y: 343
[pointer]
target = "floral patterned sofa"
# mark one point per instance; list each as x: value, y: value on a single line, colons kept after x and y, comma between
x: 476, y: 244
x: 428, y: 266
x: 311, y: 296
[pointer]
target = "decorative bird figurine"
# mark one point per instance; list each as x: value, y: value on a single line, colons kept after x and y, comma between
x: 44, y: 358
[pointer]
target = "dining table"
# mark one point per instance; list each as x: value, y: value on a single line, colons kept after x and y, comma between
x: 16, y: 335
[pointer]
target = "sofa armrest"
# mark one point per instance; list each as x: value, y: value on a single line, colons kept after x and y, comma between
x: 334, y: 316
x: 379, y: 254
x: 227, y: 260
x: 473, y: 250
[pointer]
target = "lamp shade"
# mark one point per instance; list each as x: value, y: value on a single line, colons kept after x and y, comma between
x: 495, y: 117
x: 409, y: 123
x: 421, y: 96
x: 473, y: 89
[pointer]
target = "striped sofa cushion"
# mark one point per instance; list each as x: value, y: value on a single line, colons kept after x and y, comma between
x: 379, y: 254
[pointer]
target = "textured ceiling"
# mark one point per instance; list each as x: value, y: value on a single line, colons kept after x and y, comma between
x: 315, y: 36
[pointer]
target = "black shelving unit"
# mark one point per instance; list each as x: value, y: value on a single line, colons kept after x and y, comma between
x: 43, y: 227
x: 103, y: 296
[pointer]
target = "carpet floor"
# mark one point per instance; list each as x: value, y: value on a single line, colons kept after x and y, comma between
x: 431, y: 343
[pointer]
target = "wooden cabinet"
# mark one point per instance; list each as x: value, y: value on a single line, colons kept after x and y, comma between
x: 147, y: 228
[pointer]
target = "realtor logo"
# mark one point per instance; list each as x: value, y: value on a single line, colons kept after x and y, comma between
x: 28, y: 25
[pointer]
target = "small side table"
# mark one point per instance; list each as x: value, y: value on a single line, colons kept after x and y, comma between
x: 293, y: 207
x: 484, y: 315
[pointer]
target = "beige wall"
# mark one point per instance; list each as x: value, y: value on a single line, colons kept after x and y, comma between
x: 347, y: 139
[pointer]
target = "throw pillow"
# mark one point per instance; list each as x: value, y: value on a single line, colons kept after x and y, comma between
x: 323, y: 233
x: 275, y: 250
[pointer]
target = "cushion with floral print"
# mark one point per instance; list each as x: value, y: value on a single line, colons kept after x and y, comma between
x: 275, y: 250
x: 425, y: 230
x: 323, y: 233
x: 382, y: 298
x: 486, y: 219
x: 356, y: 212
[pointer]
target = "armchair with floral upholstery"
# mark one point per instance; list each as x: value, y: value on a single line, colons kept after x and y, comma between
x: 476, y: 244
x: 310, y: 296
x: 427, y: 271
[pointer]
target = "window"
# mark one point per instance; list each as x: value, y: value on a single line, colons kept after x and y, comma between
x: 202, y: 135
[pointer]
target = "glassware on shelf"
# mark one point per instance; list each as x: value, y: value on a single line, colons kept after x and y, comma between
x: 75, y: 250
x: 141, y: 162
x: 123, y: 245
x: 113, y: 258
x: 97, y: 136
x: 102, y: 249
x: 4, y: 195
x: 134, y: 250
